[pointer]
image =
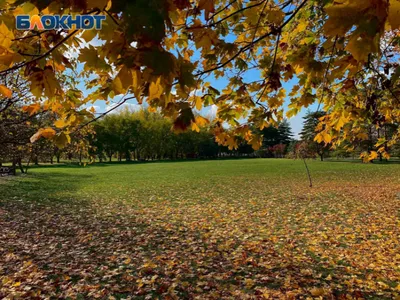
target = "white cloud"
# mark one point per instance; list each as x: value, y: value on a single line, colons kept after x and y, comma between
x: 213, y: 111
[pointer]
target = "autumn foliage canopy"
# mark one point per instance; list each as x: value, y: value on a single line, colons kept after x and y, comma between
x: 167, y: 54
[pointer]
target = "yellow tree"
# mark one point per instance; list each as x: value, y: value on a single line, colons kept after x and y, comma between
x: 168, y: 54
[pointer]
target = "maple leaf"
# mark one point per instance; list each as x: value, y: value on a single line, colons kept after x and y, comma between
x: 198, y: 102
x: 92, y: 60
x: 123, y: 81
x: 256, y: 142
x: 44, y: 82
x: 6, y: 92
x: 317, y: 292
x: 43, y: 132
x: 6, y: 36
x: 201, y: 121
x: 31, y: 109
x: 195, y: 127
x: 62, y: 139
x: 275, y: 16
x: 184, y: 120
x: 207, y: 6
x: 361, y: 47
x: 155, y: 89
x: 60, y: 123
x: 373, y: 155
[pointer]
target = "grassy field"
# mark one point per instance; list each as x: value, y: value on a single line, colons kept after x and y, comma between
x: 202, y: 229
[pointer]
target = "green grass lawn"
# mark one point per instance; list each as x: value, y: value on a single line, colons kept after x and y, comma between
x: 207, y: 229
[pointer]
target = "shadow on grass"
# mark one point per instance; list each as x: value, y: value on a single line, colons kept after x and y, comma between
x: 358, y: 161
x: 41, y: 187
x: 133, y: 162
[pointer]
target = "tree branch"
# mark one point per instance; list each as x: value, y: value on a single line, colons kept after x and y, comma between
x: 251, y: 45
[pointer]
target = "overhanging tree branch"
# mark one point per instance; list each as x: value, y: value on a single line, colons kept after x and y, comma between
x: 251, y: 45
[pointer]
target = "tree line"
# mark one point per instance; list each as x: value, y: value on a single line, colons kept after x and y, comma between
x: 142, y: 135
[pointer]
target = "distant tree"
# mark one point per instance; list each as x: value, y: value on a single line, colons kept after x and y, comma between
x: 148, y: 135
x: 272, y: 136
x: 308, y: 134
x: 278, y: 150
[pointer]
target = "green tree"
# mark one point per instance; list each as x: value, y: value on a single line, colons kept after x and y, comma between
x: 308, y: 134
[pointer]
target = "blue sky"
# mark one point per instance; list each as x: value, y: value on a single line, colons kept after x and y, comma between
x: 296, y: 122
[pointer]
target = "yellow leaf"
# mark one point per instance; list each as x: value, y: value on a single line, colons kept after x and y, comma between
x: 340, y: 123
x: 275, y: 16
x: 204, y: 42
x: 231, y: 143
x: 317, y: 292
x: 31, y: 109
x: 386, y: 155
x: 125, y: 79
x: 327, y: 138
x: 60, y: 123
x: 6, y: 92
x: 6, y: 36
x: 62, y: 139
x: 48, y: 132
x: 136, y: 85
x: 319, y: 138
x: 195, y: 127
x: 256, y: 142
x: 301, y: 26
x: 92, y: 60
x: 43, y: 132
x: 155, y: 89
x: 373, y: 155
x: 109, y: 4
x: 201, y: 121
x: 361, y: 47
x: 88, y: 35
x: 394, y: 14
x: 127, y: 261
x: 249, y: 283
x: 198, y: 102
x: 17, y: 284
x: 329, y: 277
x: 44, y: 82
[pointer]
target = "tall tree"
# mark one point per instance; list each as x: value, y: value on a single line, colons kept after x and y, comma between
x: 272, y: 136
x: 309, y: 133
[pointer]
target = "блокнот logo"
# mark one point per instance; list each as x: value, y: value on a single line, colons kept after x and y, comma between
x: 49, y: 22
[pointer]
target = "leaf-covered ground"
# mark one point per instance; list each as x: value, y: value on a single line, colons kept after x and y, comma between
x: 233, y: 229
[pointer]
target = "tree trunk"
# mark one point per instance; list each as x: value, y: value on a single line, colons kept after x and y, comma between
x: 20, y: 166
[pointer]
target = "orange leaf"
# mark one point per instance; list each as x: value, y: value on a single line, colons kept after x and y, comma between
x: 6, y: 92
